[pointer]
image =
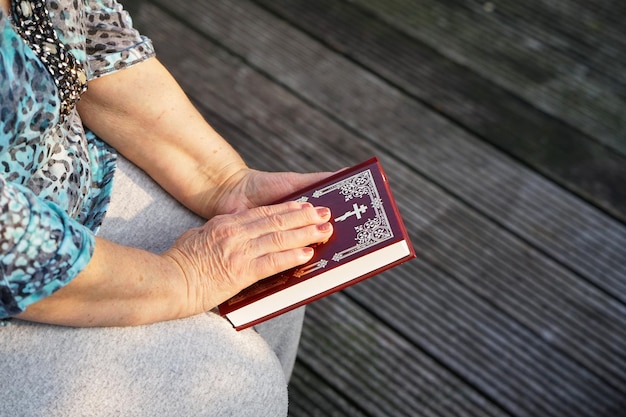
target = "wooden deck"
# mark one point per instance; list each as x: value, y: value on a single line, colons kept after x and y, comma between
x: 502, y: 126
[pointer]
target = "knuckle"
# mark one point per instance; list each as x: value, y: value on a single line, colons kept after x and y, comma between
x: 311, y: 215
x: 278, y: 240
x: 272, y: 263
x: 233, y: 267
x: 265, y: 211
x: 278, y: 221
x: 293, y: 205
x: 224, y: 228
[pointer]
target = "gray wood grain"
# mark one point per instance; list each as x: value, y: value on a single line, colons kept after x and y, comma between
x: 310, y: 395
x: 414, y: 383
x: 537, y: 62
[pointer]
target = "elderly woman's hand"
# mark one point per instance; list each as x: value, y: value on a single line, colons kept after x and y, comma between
x: 250, y: 188
x: 231, y: 252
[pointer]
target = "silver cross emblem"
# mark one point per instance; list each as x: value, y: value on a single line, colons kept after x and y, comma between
x: 358, y: 210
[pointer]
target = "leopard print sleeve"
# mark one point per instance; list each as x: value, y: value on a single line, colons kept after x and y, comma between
x: 42, y: 248
x: 111, y: 42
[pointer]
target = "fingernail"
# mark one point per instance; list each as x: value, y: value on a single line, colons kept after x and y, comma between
x: 324, y: 227
x: 323, y: 212
x: 308, y: 251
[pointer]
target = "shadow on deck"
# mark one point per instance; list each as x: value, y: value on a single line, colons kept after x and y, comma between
x: 502, y: 128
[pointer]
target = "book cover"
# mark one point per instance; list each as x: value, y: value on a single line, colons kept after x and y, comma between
x: 368, y: 238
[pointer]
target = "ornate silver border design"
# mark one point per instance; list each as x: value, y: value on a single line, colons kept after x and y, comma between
x: 372, y: 231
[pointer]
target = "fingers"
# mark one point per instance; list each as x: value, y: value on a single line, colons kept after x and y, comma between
x: 278, y: 241
x: 260, y: 221
x: 286, y: 243
x: 280, y: 228
x: 291, y: 228
x: 273, y: 262
x: 276, y: 262
x: 275, y: 215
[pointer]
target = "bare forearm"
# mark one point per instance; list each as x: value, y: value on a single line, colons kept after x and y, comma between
x: 121, y: 286
x: 144, y: 114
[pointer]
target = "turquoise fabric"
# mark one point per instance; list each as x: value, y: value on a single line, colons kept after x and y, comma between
x: 55, y: 176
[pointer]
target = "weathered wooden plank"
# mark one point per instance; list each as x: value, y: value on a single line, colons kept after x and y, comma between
x: 414, y: 383
x: 569, y: 157
x: 515, y: 278
x: 310, y: 395
x: 539, y: 66
x: 594, y: 21
x: 590, y: 32
x: 553, y: 316
x: 519, y: 281
x: 450, y: 322
x: 569, y: 231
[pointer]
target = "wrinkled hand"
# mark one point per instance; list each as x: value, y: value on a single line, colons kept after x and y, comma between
x: 233, y: 251
x: 250, y: 188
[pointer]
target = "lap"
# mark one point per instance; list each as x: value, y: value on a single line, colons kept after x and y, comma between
x: 192, y: 367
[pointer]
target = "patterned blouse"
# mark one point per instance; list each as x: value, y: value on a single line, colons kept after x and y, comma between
x: 55, y: 175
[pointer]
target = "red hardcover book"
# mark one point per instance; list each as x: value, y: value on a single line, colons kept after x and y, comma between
x: 368, y: 238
